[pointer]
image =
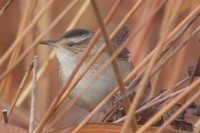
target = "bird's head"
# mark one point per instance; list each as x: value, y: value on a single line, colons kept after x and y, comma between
x: 74, y: 40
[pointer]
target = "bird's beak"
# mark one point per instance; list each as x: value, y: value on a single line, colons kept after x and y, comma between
x: 48, y: 42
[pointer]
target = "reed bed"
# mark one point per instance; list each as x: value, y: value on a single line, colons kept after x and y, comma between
x: 164, y: 45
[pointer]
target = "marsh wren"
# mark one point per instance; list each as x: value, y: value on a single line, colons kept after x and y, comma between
x: 69, y: 48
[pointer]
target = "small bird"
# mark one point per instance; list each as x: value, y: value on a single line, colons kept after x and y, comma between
x: 70, y: 46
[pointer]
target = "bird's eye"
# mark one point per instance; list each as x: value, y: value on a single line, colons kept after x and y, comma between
x: 70, y: 44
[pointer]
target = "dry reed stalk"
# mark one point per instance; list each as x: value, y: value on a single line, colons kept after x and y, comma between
x: 180, y: 62
x: 43, y: 53
x: 159, y: 99
x: 109, y: 47
x: 5, y: 7
x: 19, y: 115
x: 140, y: 41
x: 168, y: 11
x: 17, y: 40
x: 186, y: 104
x: 171, y: 89
x: 172, y: 54
x: 41, y: 71
x: 76, y: 18
x: 44, y: 66
x: 171, y: 104
x: 170, y: 14
x: 178, y: 98
x: 173, y: 33
x: 176, y: 50
x: 26, y: 17
x: 167, y: 47
x: 137, y: 68
x: 90, y: 45
x: 170, y: 17
x: 35, y: 43
x: 142, y: 84
x: 19, y: 90
x: 151, y: 104
x: 180, y: 110
x: 181, y: 46
x: 33, y: 95
x: 18, y: 112
x: 172, y: 73
x: 5, y: 115
x: 167, y: 28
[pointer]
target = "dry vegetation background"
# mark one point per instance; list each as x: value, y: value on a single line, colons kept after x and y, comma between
x: 154, y: 30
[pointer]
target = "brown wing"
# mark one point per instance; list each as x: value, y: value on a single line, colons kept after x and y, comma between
x: 118, y: 40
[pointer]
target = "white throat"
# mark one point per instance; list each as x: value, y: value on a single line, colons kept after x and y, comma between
x: 67, y: 61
